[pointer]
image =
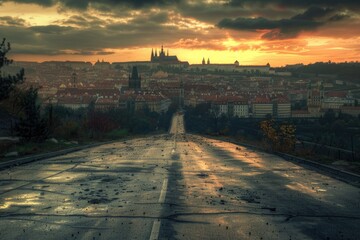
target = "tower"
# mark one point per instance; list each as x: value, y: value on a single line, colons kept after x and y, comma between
x: 203, y: 61
x: 152, y: 55
x: 208, y: 61
x: 134, y: 79
x: 73, y: 79
x: 322, y: 92
x: 162, y: 53
x: 309, y: 91
x: 181, y: 95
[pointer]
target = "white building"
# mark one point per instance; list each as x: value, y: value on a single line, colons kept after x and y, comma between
x: 241, y: 109
x: 261, y: 107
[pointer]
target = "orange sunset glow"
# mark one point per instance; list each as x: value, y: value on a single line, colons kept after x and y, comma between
x: 252, y: 32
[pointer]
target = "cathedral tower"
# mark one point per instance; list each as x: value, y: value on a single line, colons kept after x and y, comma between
x: 135, y: 79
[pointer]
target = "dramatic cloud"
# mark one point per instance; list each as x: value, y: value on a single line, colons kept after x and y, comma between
x: 296, y: 3
x: 87, y: 28
x: 84, y: 4
x: 11, y: 21
x: 311, y: 19
x: 50, y: 29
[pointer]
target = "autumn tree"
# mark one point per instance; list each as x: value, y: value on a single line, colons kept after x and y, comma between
x: 280, y: 137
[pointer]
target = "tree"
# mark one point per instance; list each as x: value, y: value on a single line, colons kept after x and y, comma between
x: 7, y: 83
x: 270, y: 133
x: 31, y: 126
x: 281, y: 137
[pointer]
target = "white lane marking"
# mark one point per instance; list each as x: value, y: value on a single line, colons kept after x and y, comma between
x: 157, y: 223
x: 163, y: 191
x: 155, y: 230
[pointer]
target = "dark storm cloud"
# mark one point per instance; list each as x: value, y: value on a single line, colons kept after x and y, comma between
x: 84, y: 4
x: 311, y: 19
x: 45, y: 3
x: 12, y: 21
x: 339, y: 17
x: 83, y: 21
x: 50, y: 29
x: 116, y: 25
x: 297, y: 3
x: 55, y: 39
x: 314, y: 13
x: 288, y: 27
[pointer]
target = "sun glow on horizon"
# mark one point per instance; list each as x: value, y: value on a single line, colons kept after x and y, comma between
x: 58, y: 33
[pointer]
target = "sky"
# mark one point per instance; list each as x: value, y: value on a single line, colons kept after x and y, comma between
x: 254, y: 32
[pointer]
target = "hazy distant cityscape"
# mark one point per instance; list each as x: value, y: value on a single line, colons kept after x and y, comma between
x: 233, y: 90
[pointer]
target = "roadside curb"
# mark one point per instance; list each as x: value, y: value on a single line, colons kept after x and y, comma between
x: 348, y: 177
x: 23, y: 160
x: 337, y: 173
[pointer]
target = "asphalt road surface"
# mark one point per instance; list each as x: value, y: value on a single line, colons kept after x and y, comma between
x: 174, y: 186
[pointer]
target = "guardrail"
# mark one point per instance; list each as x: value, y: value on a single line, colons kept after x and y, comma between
x: 342, y: 175
x: 335, y: 172
x: 23, y: 160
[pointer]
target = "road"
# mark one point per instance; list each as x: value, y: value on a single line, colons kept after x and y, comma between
x: 174, y: 186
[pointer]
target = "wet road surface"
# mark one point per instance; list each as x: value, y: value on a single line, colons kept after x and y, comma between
x: 174, y: 186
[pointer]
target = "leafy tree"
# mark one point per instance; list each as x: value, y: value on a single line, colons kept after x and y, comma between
x: 281, y: 137
x: 31, y: 126
x: 287, y: 137
x: 270, y: 133
x: 7, y: 83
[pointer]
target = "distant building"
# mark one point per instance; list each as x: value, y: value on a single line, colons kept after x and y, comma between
x: 351, y: 110
x: 261, y: 107
x: 230, y: 106
x: 230, y: 67
x: 315, y: 97
x: 104, y: 104
x: 220, y: 107
x: 162, y: 57
x: 135, y: 79
x: 75, y: 102
x: 281, y: 107
x: 102, y: 65
x: 318, y: 101
x: 154, y: 102
x: 241, y: 109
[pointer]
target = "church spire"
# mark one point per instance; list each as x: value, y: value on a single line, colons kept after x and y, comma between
x: 135, y: 79
x: 203, y: 61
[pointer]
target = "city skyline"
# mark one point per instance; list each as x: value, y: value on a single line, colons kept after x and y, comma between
x: 253, y: 32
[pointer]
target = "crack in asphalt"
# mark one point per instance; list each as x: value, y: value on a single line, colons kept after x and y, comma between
x: 42, y: 179
x: 173, y: 217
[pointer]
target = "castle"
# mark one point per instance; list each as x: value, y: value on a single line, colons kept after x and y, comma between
x: 162, y: 57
